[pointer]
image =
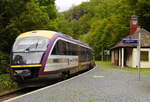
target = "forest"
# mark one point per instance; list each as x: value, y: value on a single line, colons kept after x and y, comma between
x: 99, y: 23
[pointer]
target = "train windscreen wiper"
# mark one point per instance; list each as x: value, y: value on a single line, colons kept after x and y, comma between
x: 28, y: 49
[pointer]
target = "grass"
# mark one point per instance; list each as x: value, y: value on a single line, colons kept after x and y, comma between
x: 6, y: 83
x: 90, y: 100
x: 108, y: 65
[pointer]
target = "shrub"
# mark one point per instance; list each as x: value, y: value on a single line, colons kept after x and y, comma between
x: 6, y: 82
x: 4, y: 60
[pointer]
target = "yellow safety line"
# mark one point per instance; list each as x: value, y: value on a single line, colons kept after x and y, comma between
x: 20, y: 66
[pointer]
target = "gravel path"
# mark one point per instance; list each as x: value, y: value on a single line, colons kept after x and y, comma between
x: 97, y: 85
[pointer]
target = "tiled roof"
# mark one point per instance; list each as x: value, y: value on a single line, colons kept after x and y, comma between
x: 145, y: 39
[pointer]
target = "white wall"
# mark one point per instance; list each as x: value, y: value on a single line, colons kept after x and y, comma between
x: 129, y: 61
x: 144, y: 64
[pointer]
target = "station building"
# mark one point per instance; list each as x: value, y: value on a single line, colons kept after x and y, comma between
x: 125, y: 54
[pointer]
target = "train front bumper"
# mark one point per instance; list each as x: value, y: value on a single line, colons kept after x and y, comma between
x: 25, y: 71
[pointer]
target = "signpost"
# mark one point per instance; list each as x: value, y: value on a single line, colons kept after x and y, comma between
x: 139, y: 54
x: 138, y: 41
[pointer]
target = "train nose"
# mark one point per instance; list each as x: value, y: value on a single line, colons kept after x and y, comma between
x: 23, y: 72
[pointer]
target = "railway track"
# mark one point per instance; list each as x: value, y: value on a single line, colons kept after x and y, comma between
x: 28, y: 89
x: 25, y: 90
x: 16, y: 93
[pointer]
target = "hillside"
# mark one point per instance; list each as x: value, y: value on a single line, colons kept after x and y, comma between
x: 102, y: 23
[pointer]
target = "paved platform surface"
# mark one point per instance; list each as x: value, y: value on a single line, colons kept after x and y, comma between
x: 97, y: 85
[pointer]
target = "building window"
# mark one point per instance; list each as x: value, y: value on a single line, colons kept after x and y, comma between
x: 144, y: 56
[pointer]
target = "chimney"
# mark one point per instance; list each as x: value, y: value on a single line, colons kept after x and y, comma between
x: 133, y: 24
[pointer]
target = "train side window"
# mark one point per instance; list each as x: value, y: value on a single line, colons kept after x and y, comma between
x: 62, y: 48
x: 70, y: 47
x: 85, y: 54
x: 59, y: 48
x: 74, y: 49
x: 65, y: 48
x: 54, y: 51
x: 81, y: 54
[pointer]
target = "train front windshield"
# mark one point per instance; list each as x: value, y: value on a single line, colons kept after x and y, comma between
x: 29, y: 50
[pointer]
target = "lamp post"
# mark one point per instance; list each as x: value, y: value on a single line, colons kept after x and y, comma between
x: 139, y: 54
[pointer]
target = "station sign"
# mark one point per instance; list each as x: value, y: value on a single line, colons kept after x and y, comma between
x: 130, y: 40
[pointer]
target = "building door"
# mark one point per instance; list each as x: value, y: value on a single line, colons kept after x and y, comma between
x: 116, y: 57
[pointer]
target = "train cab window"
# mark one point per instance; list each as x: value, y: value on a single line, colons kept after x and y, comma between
x: 31, y: 44
x: 29, y: 50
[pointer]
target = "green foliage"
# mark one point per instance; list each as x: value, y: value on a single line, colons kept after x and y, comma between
x: 17, y: 16
x: 102, y: 23
x: 3, y: 62
x: 90, y: 100
x: 6, y: 83
x: 143, y: 11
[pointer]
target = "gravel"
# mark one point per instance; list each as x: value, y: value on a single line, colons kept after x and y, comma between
x: 97, y: 85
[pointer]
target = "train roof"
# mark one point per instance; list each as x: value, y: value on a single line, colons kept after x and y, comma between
x: 49, y: 34
x: 43, y: 33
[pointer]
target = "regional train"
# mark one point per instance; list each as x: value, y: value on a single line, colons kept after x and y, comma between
x: 41, y: 53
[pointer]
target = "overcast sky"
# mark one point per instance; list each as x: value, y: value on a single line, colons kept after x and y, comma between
x: 63, y: 5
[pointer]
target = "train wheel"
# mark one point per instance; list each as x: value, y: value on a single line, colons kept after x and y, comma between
x: 65, y: 75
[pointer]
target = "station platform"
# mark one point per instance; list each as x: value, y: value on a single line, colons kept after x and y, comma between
x: 96, y: 85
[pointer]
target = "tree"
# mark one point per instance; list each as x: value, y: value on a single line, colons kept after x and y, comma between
x: 17, y: 16
x: 103, y: 23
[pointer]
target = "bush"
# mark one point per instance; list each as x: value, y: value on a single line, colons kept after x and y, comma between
x: 4, y: 60
x: 6, y: 83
